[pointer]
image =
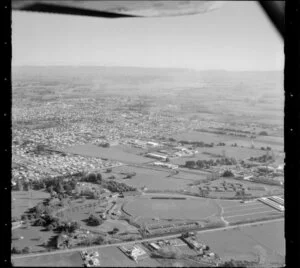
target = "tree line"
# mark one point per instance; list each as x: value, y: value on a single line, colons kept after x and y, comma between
x: 200, y: 164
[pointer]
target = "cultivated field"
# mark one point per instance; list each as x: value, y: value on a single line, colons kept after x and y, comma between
x: 171, y: 209
x: 58, y: 260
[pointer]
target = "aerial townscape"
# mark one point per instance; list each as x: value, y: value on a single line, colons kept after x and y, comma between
x: 146, y: 167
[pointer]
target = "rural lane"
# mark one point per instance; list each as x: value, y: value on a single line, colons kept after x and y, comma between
x: 142, y: 240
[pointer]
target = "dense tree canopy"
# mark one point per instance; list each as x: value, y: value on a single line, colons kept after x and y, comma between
x: 94, y: 220
x: 228, y: 173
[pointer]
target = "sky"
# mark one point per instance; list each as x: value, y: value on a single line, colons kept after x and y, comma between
x: 238, y: 36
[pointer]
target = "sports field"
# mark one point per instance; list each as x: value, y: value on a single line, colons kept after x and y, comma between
x: 198, y: 208
x: 154, y: 179
x: 117, y: 153
x: 58, y: 260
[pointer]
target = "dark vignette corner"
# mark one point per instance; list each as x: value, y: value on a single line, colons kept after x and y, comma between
x: 6, y: 132
x: 292, y: 132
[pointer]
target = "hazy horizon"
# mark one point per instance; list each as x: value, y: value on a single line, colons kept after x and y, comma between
x: 143, y: 67
x: 236, y: 37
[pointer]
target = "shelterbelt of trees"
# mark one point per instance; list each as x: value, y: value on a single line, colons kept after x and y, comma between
x: 199, y: 164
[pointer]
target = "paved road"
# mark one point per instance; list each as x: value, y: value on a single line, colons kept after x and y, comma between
x: 140, y: 241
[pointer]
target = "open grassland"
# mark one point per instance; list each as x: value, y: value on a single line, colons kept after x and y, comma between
x: 33, y: 237
x: 236, y: 212
x: 228, y: 151
x: 264, y: 242
x: 196, y: 157
x: 171, y: 209
x: 58, y: 260
x: 270, y: 235
x: 228, y: 203
x: 22, y: 200
x: 122, y: 225
x: 245, y: 183
x: 202, y: 136
x: 153, y: 179
x: 276, y: 143
x: 270, y: 140
x: 191, y: 176
x: 117, y: 153
x: 252, y: 216
x: 81, y: 212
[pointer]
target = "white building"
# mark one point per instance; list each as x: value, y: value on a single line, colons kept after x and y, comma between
x: 154, y: 144
x: 157, y: 156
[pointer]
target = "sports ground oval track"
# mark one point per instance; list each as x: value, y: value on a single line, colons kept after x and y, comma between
x: 181, y: 209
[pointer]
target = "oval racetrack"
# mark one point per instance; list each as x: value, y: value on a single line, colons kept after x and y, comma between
x: 193, y: 209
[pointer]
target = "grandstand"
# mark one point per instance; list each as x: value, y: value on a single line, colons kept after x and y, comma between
x: 271, y: 203
x: 277, y: 199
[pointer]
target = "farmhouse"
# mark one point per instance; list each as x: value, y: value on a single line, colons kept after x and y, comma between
x: 133, y: 252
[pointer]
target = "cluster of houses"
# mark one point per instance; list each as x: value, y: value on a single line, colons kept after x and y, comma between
x: 90, y: 259
x: 135, y: 252
x: 51, y: 165
x: 58, y: 125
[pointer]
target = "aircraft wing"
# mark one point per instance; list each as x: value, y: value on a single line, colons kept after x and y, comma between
x: 122, y: 9
x: 118, y: 9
